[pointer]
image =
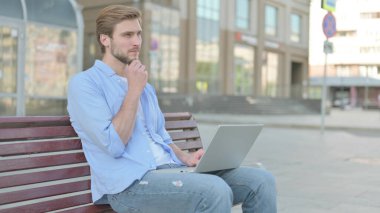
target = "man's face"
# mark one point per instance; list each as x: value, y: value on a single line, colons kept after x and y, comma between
x: 126, y: 41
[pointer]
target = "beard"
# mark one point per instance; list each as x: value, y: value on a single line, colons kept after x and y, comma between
x: 125, y: 59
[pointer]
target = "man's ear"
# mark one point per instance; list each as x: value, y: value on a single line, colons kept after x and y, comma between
x: 105, y: 40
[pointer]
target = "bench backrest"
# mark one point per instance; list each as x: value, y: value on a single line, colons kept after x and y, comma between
x: 43, y: 168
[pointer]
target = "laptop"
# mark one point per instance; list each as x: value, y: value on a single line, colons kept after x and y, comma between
x: 227, y: 149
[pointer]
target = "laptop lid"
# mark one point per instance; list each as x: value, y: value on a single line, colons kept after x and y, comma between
x: 229, y: 146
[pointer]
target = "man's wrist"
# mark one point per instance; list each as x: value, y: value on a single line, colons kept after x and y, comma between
x: 133, y: 94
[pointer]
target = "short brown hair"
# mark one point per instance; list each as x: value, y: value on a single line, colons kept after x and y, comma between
x: 109, y: 16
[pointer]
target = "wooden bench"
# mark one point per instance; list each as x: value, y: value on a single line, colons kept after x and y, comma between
x: 43, y: 168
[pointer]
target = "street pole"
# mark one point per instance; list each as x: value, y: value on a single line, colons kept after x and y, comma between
x: 323, y: 102
x: 366, y: 91
x: 329, y: 29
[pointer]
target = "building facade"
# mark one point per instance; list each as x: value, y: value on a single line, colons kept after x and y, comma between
x: 353, y: 69
x: 40, y: 48
x: 218, y: 47
x: 255, y: 48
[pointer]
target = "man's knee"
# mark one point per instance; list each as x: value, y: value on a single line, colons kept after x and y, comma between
x: 258, y: 179
x: 267, y: 178
x: 266, y: 183
x: 217, y: 193
x: 221, y: 188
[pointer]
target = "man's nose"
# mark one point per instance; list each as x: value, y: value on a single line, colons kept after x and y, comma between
x: 136, y: 41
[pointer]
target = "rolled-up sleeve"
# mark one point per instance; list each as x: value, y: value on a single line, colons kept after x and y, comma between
x: 161, y: 130
x: 91, y: 116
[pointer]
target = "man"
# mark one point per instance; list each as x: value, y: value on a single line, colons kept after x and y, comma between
x: 116, y: 114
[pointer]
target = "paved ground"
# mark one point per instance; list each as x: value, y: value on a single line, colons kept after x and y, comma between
x: 336, y: 172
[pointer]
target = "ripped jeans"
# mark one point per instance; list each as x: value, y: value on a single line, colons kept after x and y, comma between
x: 214, y: 192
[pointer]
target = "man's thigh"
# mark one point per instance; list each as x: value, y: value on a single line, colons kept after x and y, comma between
x: 245, y: 180
x: 167, y: 192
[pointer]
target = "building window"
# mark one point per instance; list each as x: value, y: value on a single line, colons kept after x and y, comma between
x: 8, y: 70
x: 295, y: 34
x: 343, y: 71
x: 8, y: 59
x: 207, y: 47
x: 38, y: 54
x: 242, y: 11
x: 271, y: 20
x: 369, y: 71
x: 50, y: 61
x: 91, y: 51
x: 269, y: 74
x: 164, y: 49
x: 244, y: 63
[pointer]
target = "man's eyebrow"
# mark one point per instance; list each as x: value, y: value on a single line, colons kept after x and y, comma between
x: 129, y: 32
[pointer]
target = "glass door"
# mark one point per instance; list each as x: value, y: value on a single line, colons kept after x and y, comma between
x: 11, y: 90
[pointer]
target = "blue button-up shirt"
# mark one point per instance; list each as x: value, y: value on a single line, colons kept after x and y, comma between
x: 94, y: 98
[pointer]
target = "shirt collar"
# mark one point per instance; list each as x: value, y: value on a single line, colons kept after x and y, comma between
x: 104, y: 68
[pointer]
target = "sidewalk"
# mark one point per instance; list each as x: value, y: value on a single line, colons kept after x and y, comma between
x: 337, y: 172
x: 337, y: 119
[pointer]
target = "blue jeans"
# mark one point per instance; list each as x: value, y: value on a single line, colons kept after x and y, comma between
x: 195, y: 192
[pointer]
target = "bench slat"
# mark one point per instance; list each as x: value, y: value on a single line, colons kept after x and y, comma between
x: 36, y: 132
x: 29, y: 121
x: 184, y: 135
x: 197, y: 144
x: 186, y: 124
x: 41, y: 161
x: 43, y: 176
x: 170, y: 116
x: 52, y: 205
x: 44, y: 191
x: 39, y: 147
x: 90, y: 209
